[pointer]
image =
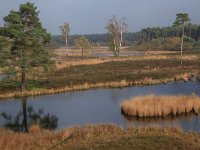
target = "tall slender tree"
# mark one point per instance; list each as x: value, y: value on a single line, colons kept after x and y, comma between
x: 115, y: 30
x: 65, y: 29
x: 181, y: 20
x: 29, y: 38
x: 122, y: 28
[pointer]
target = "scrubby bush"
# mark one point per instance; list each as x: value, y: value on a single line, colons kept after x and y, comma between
x: 172, y: 43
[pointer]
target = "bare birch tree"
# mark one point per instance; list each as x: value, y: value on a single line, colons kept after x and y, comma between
x: 116, y: 29
x: 122, y: 28
x: 65, y: 29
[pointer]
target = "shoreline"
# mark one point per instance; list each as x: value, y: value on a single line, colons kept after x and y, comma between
x: 86, y: 86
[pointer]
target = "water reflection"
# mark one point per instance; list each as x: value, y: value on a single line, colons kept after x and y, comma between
x: 27, y: 117
x: 185, y: 117
x: 197, y: 87
x: 2, y: 76
x: 189, y: 122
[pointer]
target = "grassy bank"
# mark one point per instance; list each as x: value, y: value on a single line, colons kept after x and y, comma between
x: 161, y: 106
x: 100, y: 137
x: 134, y: 70
x: 108, y: 74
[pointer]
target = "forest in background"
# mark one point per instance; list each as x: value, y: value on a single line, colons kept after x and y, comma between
x: 167, y: 38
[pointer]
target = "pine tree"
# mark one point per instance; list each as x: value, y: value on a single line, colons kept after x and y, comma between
x: 181, y: 20
x: 28, y: 37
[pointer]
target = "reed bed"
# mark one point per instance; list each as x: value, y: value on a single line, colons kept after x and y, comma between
x: 161, y: 106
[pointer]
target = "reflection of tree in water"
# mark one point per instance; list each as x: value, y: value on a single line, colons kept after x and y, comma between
x: 197, y: 86
x: 27, y: 117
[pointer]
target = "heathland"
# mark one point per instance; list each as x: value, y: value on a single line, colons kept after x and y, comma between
x: 77, y: 73
x: 149, y: 56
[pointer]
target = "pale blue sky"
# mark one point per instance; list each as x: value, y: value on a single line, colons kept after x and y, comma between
x: 91, y: 16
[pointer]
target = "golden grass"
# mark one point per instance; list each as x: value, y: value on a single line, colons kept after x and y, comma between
x: 40, y: 140
x: 93, y: 61
x: 64, y: 61
x: 161, y: 106
x: 90, y: 137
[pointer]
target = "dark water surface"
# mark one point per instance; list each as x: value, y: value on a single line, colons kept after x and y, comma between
x: 94, y: 107
x: 2, y: 76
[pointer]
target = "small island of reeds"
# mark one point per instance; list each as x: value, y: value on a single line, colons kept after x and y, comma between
x: 160, y: 106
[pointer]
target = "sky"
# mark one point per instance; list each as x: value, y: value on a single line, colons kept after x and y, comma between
x: 91, y: 16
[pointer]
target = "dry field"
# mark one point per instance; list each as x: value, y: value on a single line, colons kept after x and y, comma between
x: 72, y: 57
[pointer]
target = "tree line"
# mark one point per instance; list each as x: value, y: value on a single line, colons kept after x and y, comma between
x: 145, y: 35
x: 192, y: 32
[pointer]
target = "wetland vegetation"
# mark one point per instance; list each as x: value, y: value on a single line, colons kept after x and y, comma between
x: 109, y: 67
x: 161, y: 106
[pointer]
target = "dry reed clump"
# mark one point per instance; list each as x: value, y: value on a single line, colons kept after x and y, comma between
x: 161, y: 106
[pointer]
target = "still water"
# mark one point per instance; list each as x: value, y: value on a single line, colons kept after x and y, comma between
x: 94, y: 107
x: 2, y: 76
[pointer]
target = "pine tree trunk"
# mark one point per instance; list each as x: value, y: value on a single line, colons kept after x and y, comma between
x: 23, y: 81
x: 182, y: 40
x: 66, y: 44
x: 82, y: 52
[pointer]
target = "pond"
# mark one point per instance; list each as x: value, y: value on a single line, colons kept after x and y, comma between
x: 122, y: 54
x: 93, y: 107
x: 2, y: 76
